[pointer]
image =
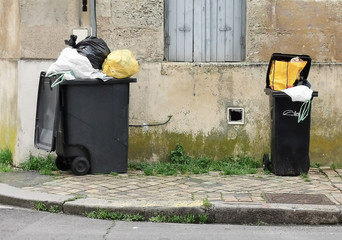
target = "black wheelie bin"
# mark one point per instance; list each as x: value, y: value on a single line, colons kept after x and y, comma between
x: 290, y: 138
x: 85, y: 121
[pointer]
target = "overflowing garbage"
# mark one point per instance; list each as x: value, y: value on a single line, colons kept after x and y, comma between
x: 120, y: 64
x: 286, y: 76
x: 92, y: 58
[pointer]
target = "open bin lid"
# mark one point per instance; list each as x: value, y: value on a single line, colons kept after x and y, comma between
x: 287, y: 58
x: 46, y: 113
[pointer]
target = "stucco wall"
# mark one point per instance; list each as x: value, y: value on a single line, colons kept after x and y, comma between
x: 196, y: 95
x: 28, y: 80
x: 8, y: 104
x: 9, y: 53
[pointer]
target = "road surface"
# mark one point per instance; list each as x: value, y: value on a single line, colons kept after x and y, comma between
x: 24, y: 224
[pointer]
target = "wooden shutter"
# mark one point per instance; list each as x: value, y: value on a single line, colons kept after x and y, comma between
x: 180, y: 30
x: 205, y: 30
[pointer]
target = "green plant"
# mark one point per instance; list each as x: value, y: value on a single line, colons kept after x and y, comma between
x: 317, y: 165
x: 259, y: 222
x: 206, y: 203
x: 178, y: 156
x: 240, y: 165
x: 181, y: 163
x: 39, y: 206
x: 75, y: 198
x: 190, y: 218
x: 108, y: 215
x: 54, y: 209
x: 333, y: 166
x: 44, y: 165
x: 6, y: 160
x: 305, y: 177
x: 114, y: 174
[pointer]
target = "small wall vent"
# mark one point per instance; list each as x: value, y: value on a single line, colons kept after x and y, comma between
x: 235, y: 115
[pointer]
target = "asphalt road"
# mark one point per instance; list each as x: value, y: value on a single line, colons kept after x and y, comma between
x: 24, y: 224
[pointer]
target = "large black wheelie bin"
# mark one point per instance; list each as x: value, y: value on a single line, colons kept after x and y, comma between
x: 290, y: 138
x: 85, y: 121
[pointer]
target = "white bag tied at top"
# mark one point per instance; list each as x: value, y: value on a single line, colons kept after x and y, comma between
x: 71, y: 60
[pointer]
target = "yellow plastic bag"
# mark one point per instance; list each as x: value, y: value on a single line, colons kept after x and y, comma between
x: 284, y: 74
x: 120, y: 64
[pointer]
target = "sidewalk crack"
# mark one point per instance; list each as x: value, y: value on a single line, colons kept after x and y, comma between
x: 108, y: 230
x: 332, y: 183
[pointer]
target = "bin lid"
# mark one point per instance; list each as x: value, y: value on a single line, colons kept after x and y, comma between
x: 287, y: 57
x: 46, y: 114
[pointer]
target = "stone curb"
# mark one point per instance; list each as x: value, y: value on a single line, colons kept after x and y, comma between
x: 277, y: 214
x: 219, y: 212
x: 28, y: 199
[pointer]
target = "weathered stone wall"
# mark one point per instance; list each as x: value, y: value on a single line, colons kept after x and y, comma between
x: 294, y: 26
x: 196, y: 95
x: 137, y: 25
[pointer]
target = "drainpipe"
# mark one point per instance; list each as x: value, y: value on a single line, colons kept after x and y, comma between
x: 93, y: 17
x: 79, y: 13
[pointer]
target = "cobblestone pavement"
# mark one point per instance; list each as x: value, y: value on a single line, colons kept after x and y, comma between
x: 215, y: 187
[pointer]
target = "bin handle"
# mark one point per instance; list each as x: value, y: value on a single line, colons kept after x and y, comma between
x: 304, y: 111
x: 60, y: 79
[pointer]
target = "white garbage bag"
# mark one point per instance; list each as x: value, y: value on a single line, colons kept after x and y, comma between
x: 299, y: 93
x: 71, y: 60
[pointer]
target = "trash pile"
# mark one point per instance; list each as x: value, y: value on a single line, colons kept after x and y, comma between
x: 92, y: 58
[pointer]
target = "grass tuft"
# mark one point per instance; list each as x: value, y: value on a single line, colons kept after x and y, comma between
x: 43, y: 165
x: 108, y: 215
x: 202, y: 218
x: 180, y: 163
x: 6, y: 160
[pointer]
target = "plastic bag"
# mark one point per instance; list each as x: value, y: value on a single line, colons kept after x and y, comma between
x: 299, y: 93
x: 284, y: 74
x: 95, y: 49
x: 120, y: 64
x: 71, y: 60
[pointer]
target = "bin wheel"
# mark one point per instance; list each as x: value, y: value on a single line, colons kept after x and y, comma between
x: 80, y: 166
x: 62, y: 163
x: 266, y: 163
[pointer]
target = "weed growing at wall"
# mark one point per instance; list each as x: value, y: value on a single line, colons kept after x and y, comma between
x: 6, y: 160
x: 44, y: 165
x: 181, y: 163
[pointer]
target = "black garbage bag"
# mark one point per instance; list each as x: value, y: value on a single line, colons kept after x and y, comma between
x: 95, y: 49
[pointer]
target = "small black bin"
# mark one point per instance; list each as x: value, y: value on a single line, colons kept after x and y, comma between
x: 290, y: 139
x: 86, y: 122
